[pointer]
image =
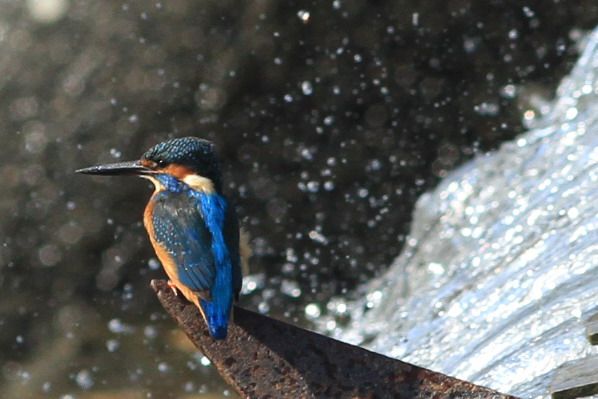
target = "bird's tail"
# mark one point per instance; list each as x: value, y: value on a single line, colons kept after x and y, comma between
x: 217, y: 314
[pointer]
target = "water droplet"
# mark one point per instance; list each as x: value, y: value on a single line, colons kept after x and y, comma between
x: 312, y: 310
x: 303, y: 16
x: 318, y: 237
x: 112, y: 345
x: 163, y: 367
x: 115, y: 153
x: 84, y: 379
x: 290, y: 288
x: 306, y: 88
x: 571, y: 113
x: 118, y: 327
x: 153, y: 264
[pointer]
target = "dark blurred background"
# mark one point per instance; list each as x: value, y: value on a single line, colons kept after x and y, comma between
x: 331, y: 118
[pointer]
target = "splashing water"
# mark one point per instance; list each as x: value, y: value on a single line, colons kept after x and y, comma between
x: 501, y: 267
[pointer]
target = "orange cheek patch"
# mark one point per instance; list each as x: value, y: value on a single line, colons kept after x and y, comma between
x: 177, y: 171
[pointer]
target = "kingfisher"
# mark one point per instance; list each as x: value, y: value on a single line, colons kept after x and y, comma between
x: 191, y: 224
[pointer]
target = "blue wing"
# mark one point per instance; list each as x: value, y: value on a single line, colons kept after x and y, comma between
x: 180, y: 228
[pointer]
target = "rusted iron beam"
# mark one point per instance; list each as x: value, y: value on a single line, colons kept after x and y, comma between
x: 267, y: 358
x: 575, y: 379
x: 592, y: 329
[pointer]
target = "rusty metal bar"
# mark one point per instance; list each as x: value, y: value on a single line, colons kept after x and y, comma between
x: 592, y: 329
x: 267, y: 358
x: 575, y: 379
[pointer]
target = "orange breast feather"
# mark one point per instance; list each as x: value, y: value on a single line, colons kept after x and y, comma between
x: 166, y: 258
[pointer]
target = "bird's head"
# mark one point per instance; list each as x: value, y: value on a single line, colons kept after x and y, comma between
x: 190, y: 160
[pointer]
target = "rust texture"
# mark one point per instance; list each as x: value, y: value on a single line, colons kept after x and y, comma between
x: 267, y: 358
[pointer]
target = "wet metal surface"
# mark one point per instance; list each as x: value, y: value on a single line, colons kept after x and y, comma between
x: 575, y: 379
x: 592, y: 329
x: 266, y: 358
x: 578, y: 378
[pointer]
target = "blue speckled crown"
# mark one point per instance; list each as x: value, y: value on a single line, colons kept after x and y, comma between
x: 192, y: 152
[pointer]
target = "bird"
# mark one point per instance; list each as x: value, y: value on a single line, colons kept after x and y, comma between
x: 191, y: 224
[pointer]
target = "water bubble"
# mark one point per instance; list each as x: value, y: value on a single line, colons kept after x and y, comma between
x: 112, y: 345
x: 529, y: 115
x: 308, y: 154
x: 163, y: 367
x: 118, y: 327
x: 49, y: 255
x: 312, y: 310
x: 509, y: 91
x: 307, y: 88
x: 253, y: 282
x: 375, y: 164
x: 84, y: 379
x: 303, y: 16
x: 115, y: 153
x: 415, y: 19
x: 318, y: 237
x: 313, y: 186
x: 150, y: 332
x: 571, y: 113
x: 153, y: 263
x: 528, y: 12
x: 263, y: 307
x: 487, y: 108
x: 290, y: 288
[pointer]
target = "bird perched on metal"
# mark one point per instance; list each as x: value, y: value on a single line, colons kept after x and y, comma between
x: 193, y: 228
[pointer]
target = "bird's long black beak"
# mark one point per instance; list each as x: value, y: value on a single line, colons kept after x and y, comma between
x: 117, y: 169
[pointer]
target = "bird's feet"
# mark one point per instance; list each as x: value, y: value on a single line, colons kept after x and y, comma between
x: 173, y: 287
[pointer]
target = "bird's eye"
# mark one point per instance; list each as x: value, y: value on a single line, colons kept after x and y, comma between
x: 161, y: 163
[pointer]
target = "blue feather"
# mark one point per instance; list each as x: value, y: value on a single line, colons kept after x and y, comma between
x: 213, y: 209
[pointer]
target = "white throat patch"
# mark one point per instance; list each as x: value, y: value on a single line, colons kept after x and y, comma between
x: 199, y: 183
